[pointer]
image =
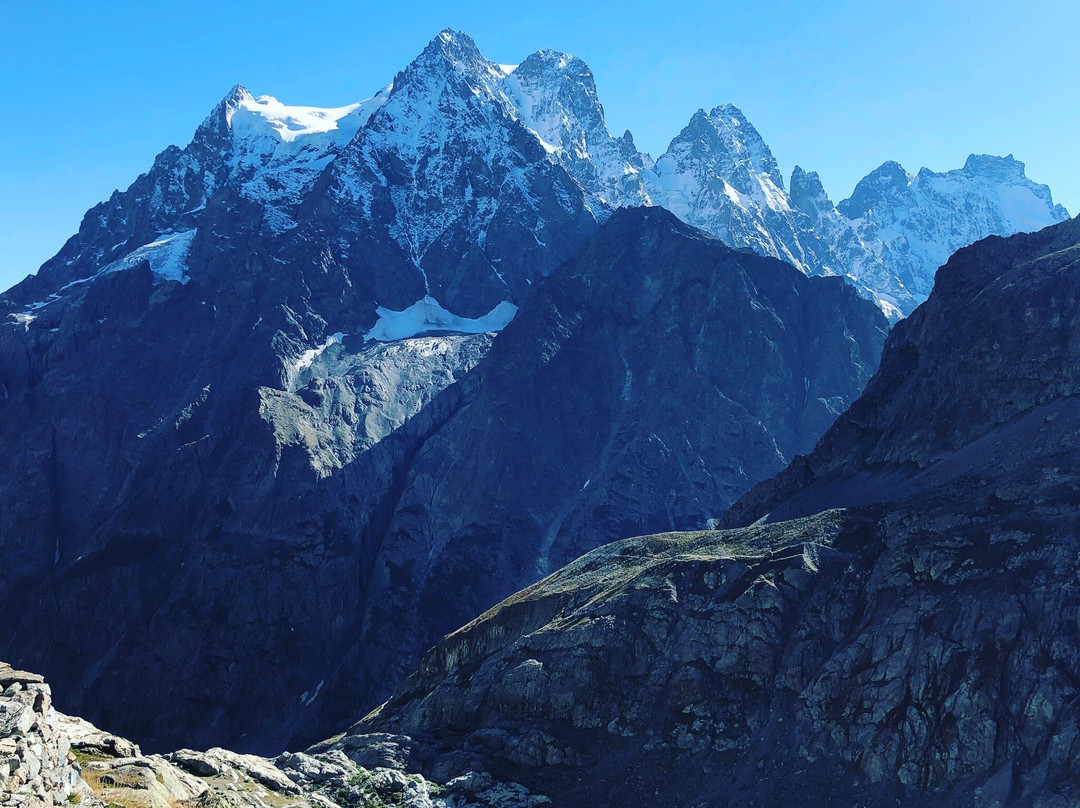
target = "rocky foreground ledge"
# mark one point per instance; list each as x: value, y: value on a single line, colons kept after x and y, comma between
x: 37, y: 766
x: 48, y: 758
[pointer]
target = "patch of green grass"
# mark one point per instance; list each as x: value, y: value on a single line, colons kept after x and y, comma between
x: 83, y: 756
x: 358, y: 793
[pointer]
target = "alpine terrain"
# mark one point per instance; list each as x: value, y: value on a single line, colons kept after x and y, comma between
x: 892, y: 620
x: 326, y: 383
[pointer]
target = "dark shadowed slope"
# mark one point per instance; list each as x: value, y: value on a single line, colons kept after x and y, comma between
x: 256, y: 525
x: 646, y: 384
x: 916, y: 646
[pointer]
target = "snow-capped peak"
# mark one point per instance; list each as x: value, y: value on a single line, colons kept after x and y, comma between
x: 456, y: 51
x: 729, y: 133
x: 265, y: 114
x: 888, y: 178
x: 719, y: 175
x: 917, y: 221
x: 459, y: 143
x: 554, y: 95
x: 807, y: 193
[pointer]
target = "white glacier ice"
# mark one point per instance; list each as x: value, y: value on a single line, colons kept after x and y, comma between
x: 427, y: 316
x: 167, y: 255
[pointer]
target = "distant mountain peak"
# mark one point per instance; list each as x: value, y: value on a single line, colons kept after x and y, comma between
x: 237, y: 94
x: 454, y: 49
x: 728, y: 112
x: 917, y: 222
x: 559, y: 59
x: 725, y: 138
x: 718, y: 173
x: 991, y: 165
x: 806, y: 190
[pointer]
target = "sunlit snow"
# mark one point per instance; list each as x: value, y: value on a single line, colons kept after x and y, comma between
x: 428, y: 315
x: 167, y: 256
x: 290, y: 122
x: 254, y: 117
x: 282, y: 149
x: 309, y: 356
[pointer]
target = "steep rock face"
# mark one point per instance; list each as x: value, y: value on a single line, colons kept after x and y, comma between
x: 260, y: 149
x: 555, y: 95
x: 719, y: 175
x: 209, y: 461
x: 182, y: 535
x: 235, y: 499
x: 996, y: 340
x: 908, y: 638
x: 645, y: 386
x: 435, y: 185
x: 447, y: 172
x: 847, y: 252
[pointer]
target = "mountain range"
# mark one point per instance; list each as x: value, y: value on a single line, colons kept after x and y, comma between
x: 891, y: 620
x: 325, y: 384
x: 435, y: 176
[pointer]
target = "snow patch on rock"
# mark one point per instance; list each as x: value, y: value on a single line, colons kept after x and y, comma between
x: 307, y: 357
x: 167, y: 256
x: 427, y: 316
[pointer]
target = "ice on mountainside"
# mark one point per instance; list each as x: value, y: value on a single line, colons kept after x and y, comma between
x: 428, y: 316
x: 167, y: 256
x: 310, y: 355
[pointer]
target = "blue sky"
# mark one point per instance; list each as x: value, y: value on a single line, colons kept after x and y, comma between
x: 92, y: 91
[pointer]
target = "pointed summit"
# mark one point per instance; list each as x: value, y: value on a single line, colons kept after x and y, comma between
x: 216, y: 124
x: 555, y: 96
x: 726, y: 140
x: 450, y: 50
x: 887, y: 179
x: 807, y: 192
x: 237, y: 94
x: 450, y: 64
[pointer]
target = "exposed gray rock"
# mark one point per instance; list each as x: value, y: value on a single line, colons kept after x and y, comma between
x: 37, y: 769
x: 36, y: 765
x: 93, y: 741
x: 144, y: 781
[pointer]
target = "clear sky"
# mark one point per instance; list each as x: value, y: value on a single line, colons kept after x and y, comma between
x: 91, y: 91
